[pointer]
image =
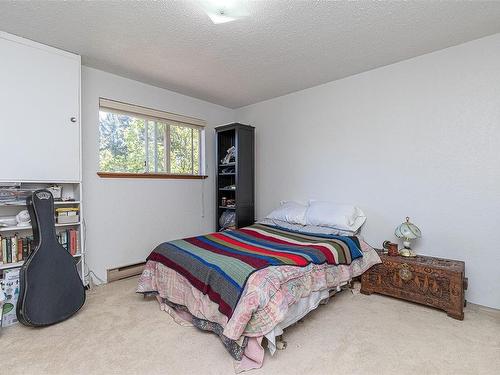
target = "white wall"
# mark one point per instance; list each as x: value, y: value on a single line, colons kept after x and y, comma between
x: 126, y: 218
x: 418, y: 138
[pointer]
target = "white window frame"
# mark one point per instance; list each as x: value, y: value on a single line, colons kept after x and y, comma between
x: 170, y: 119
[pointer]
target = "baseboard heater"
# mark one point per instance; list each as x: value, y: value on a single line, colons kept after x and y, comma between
x: 123, y: 272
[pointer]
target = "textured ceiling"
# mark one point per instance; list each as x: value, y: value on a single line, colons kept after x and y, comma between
x: 280, y: 48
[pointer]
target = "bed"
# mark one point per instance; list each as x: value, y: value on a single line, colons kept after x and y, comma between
x: 251, y: 283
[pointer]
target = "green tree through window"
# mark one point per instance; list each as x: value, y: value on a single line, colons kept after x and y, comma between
x: 136, y: 145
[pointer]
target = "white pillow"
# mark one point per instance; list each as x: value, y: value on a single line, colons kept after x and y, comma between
x: 333, y: 215
x: 291, y: 212
x: 309, y: 229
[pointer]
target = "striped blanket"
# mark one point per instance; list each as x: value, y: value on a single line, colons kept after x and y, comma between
x: 219, y: 264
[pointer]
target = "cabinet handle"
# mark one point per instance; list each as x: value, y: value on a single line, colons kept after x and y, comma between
x: 72, y: 119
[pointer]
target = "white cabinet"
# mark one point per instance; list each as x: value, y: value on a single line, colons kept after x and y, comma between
x: 39, y: 112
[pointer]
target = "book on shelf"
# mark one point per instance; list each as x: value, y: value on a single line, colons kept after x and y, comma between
x: 20, y: 248
x: 8, y: 250
x: 15, y: 249
x: 69, y: 240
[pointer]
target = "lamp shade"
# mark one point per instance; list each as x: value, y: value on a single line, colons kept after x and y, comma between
x: 408, y: 230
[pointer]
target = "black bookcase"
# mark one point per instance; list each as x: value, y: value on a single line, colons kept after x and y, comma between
x: 235, y: 179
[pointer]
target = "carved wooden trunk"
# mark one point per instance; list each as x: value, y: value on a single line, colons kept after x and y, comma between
x: 435, y: 282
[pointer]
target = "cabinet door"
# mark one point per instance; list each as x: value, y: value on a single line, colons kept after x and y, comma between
x: 39, y: 112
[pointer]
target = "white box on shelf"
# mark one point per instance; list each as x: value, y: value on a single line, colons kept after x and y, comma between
x: 65, y: 219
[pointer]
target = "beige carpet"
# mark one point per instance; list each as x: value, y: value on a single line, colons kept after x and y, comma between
x: 119, y: 332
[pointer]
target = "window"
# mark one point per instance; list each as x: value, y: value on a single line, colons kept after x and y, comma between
x: 138, y: 140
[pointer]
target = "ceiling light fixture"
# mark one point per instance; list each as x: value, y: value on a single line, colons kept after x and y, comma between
x: 222, y: 11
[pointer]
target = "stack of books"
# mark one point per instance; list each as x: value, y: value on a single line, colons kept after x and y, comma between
x: 69, y: 239
x: 15, y: 249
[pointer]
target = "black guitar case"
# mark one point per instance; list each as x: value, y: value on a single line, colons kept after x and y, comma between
x: 50, y: 287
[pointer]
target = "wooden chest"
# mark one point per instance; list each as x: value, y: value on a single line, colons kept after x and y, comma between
x: 435, y: 282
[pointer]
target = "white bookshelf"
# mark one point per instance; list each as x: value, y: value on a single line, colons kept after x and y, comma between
x: 72, y: 197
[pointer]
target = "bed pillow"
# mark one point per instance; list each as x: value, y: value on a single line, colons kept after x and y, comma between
x: 309, y: 229
x: 333, y: 215
x: 290, y: 212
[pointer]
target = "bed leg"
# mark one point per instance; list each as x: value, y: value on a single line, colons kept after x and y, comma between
x: 280, y: 343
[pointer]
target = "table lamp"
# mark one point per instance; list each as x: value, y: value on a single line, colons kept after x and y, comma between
x: 408, y: 232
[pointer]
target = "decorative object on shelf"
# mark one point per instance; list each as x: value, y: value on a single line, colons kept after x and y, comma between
x: 56, y: 191
x: 228, y: 170
x: 223, y: 201
x: 392, y: 248
x: 230, y: 156
x: 227, y: 220
x: 408, y: 232
x: 23, y: 219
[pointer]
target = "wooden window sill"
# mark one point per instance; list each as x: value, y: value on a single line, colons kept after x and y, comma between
x: 150, y: 175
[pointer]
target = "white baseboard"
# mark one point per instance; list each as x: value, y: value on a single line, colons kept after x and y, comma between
x: 123, y: 272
